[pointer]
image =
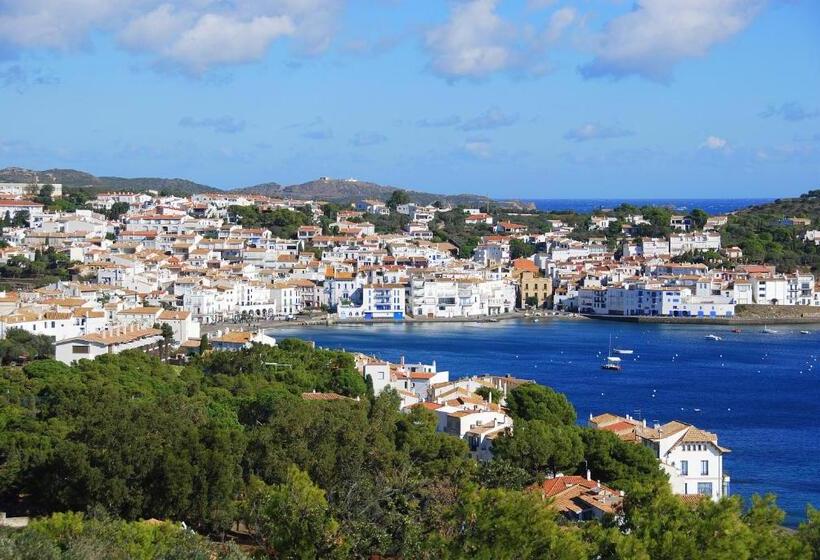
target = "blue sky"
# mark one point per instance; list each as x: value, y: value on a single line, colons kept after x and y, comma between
x: 524, y: 98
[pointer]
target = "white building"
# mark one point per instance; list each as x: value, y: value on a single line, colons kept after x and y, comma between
x: 460, y: 297
x: 29, y: 189
x: 378, y: 301
x: 417, y: 378
x: 90, y: 346
x: 641, y: 299
x: 680, y: 243
x: 691, y: 457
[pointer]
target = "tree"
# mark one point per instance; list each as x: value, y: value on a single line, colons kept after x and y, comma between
x: 44, y: 197
x: 204, y: 345
x: 508, y: 525
x: 22, y: 218
x: 489, y: 394
x: 531, y: 401
x: 520, y: 249
x: 500, y: 473
x: 531, y: 301
x: 540, y: 448
x: 698, y: 218
x: 616, y: 462
x: 809, y: 531
x: 117, y: 210
x: 21, y: 346
x: 292, y: 519
x: 397, y: 198
x: 167, y: 333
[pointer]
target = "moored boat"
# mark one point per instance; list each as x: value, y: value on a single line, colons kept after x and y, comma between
x: 712, y: 337
x: 612, y: 362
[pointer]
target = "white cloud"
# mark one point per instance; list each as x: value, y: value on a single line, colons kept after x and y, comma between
x: 218, y: 39
x: 478, y: 147
x: 193, y: 34
x: 474, y: 43
x: 560, y: 20
x: 657, y: 34
x: 715, y: 143
x: 490, y: 119
x: 596, y: 131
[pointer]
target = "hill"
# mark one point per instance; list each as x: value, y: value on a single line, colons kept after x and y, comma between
x: 766, y: 233
x: 324, y: 188
x: 72, y: 178
x: 805, y: 206
x: 351, y: 190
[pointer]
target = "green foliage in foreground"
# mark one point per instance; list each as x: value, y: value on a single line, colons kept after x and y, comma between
x: 73, y: 536
x: 20, y: 346
x: 228, y: 442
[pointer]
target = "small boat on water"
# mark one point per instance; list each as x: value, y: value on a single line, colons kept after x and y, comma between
x: 612, y: 363
x: 623, y: 351
x: 737, y: 331
x: 767, y: 330
x: 712, y: 337
x: 805, y: 332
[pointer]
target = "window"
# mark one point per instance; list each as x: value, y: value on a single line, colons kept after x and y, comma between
x: 705, y: 488
x: 704, y: 468
x: 684, y: 468
x: 79, y: 349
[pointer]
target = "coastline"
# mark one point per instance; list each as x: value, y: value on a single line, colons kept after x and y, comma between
x: 730, y: 321
x: 329, y: 321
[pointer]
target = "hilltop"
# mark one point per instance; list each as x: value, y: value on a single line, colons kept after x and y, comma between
x: 351, y: 190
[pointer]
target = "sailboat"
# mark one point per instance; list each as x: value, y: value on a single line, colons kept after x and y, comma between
x: 767, y: 330
x: 612, y: 362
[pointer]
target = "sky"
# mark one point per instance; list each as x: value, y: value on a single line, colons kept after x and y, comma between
x: 508, y: 98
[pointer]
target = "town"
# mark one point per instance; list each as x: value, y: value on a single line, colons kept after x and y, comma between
x: 128, y: 263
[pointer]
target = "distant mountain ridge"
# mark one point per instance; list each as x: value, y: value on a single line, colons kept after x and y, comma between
x: 324, y: 188
x: 81, y: 179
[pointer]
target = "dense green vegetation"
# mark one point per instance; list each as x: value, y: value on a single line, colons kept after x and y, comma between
x: 229, y: 439
x: 282, y: 222
x: 75, y: 536
x: 48, y: 266
x: 20, y: 346
x: 766, y: 236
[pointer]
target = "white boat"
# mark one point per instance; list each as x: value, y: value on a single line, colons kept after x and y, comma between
x: 712, y: 337
x: 805, y: 332
x: 623, y: 351
x: 767, y: 330
x: 612, y: 362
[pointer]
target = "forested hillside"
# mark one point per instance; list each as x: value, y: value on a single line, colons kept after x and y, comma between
x: 232, y: 446
x: 768, y: 234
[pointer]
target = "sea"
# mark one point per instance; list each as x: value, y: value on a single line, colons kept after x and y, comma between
x: 759, y: 392
x: 711, y: 206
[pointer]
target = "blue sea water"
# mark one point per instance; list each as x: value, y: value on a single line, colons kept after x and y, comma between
x: 711, y: 206
x: 759, y: 392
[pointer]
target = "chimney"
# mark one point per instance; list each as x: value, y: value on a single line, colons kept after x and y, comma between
x: 589, y: 474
